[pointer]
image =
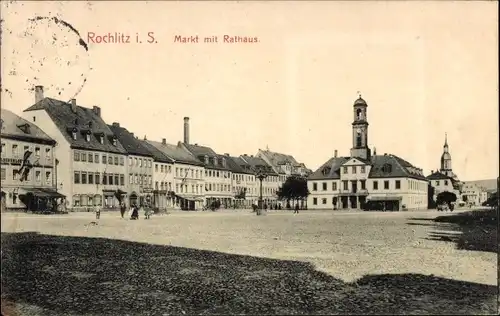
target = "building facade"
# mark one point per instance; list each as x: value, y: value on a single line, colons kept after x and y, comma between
x: 474, y: 194
x: 139, y: 175
x: 284, y: 165
x: 90, y: 161
x: 163, y: 178
x: 27, y: 165
x: 217, y: 172
x: 187, y: 174
x: 270, y: 184
x: 365, y: 181
x: 243, y: 183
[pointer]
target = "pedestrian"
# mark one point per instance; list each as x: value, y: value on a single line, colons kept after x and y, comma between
x: 123, y: 208
x: 296, y: 210
x: 135, y: 212
x: 97, y: 213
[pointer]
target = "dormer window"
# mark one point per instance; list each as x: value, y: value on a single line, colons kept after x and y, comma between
x: 115, y: 141
x: 224, y: 162
x: 206, y: 159
x: 73, y: 134
x: 387, y: 168
x: 87, y: 137
x: 326, y: 171
x: 25, y: 128
x: 76, y: 121
x: 215, y: 161
x: 101, y: 139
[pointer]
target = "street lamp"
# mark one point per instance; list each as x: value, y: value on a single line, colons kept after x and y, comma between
x: 261, y: 176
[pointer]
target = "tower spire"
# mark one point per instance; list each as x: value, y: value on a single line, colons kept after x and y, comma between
x: 359, y: 94
x: 446, y: 139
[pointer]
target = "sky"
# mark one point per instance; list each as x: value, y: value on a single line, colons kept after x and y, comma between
x: 424, y: 68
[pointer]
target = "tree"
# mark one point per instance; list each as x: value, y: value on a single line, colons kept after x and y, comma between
x: 446, y: 197
x: 294, y: 188
x: 465, y: 198
x: 119, y: 195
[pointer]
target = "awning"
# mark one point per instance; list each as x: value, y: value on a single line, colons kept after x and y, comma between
x: 189, y: 197
x: 42, y: 192
x: 384, y: 198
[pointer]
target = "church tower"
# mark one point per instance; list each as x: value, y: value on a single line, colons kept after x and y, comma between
x: 446, y: 159
x: 360, y: 130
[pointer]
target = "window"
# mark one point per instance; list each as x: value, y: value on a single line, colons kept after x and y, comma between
x: 77, y: 177
x: 156, y: 167
x: 323, y: 201
x: 3, y: 174
x: 87, y: 137
x: 110, y: 160
x: 83, y: 157
x: 156, y: 185
x: 334, y: 186
x: 445, y: 182
x: 91, y: 176
x: 375, y: 185
x: 76, y: 200
x: 325, y: 186
x: 14, y: 150
x: 104, y: 179
x: 38, y: 176
x: 97, y: 178
x: 437, y: 182
x: 76, y: 157
x: 104, y: 159
x: 363, y: 170
x: 136, y: 179
x: 101, y: 139
x: 122, y: 179
x: 140, y: 162
x: 135, y: 161
x: 84, y: 178
x: 116, y: 161
x: 91, y: 200
x: 115, y: 141
x: 110, y: 179
x: 130, y: 161
x: 122, y: 161
x: 363, y: 184
x: 91, y: 157
x: 48, y: 178
x: 37, y: 152
x: 315, y: 201
x: 398, y: 184
x: 130, y: 178
x: 96, y: 158
x: 386, y: 185
x: 387, y: 168
x: 345, y: 170
x: 117, y: 179
x: 161, y: 168
x: 73, y: 134
x: 315, y: 187
x: 353, y: 169
x: 345, y: 185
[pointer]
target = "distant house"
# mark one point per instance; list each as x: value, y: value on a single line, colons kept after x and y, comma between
x: 28, y: 173
x: 270, y: 184
x: 442, y: 182
x: 244, y: 185
x: 283, y: 164
x: 91, y: 168
x: 364, y: 180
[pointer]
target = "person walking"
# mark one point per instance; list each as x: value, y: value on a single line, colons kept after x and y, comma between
x: 296, y: 210
x: 123, y: 208
x: 97, y: 213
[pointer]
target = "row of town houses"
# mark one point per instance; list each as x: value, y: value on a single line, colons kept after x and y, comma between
x: 75, y: 156
x: 65, y: 151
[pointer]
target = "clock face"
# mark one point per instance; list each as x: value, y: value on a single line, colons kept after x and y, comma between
x: 358, y: 130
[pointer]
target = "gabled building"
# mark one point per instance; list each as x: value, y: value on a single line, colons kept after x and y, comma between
x: 90, y: 162
x: 362, y: 180
x: 270, y: 184
x: 188, y: 176
x: 163, y: 178
x: 139, y: 165
x: 217, y: 172
x: 474, y: 194
x: 28, y: 175
x: 243, y: 183
x: 284, y: 165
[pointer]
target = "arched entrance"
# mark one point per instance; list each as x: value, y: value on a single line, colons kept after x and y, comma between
x: 133, y: 199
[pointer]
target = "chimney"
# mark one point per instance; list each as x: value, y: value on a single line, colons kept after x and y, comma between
x: 226, y: 154
x: 335, y: 153
x: 38, y: 93
x: 374, y: 151
x: 73, y: 105
x: 164, y: 141
x: 116, y: 124
x: 186, y: 130
x: 97, y: 110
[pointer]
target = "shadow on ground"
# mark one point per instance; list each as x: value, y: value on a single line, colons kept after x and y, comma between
x: 58, y: 275
x: 474, y: 230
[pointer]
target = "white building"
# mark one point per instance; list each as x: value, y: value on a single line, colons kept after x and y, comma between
x: 366, y: 181
x: 284, y: 165
x: 474, y: 194
x: 90, y: 161
x: 245, y: 186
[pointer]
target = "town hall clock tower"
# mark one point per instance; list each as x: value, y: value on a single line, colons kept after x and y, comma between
x: 360, y: 131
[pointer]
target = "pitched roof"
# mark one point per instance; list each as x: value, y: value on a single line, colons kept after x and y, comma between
x: 382, y: 166
x: 257, y: 163
x: 279, y: 158
x: 438, y: 176
x: 176, y: 153
x: 330, y: 169
x: 15, y: 127
x: 201, y: 151
x: 235, y: 164
x: 82, y: 120
x: 131, y: 144
x: 157, y: 154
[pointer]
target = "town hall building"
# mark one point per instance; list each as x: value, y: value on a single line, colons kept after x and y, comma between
x: 364, y: 180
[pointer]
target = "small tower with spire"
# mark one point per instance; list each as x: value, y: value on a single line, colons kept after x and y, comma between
x: 360, y: 147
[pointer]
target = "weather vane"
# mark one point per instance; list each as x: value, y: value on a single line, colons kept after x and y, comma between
x: 359, y: 94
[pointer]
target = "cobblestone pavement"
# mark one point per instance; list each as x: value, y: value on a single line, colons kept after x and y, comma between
x: 226, y: 262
